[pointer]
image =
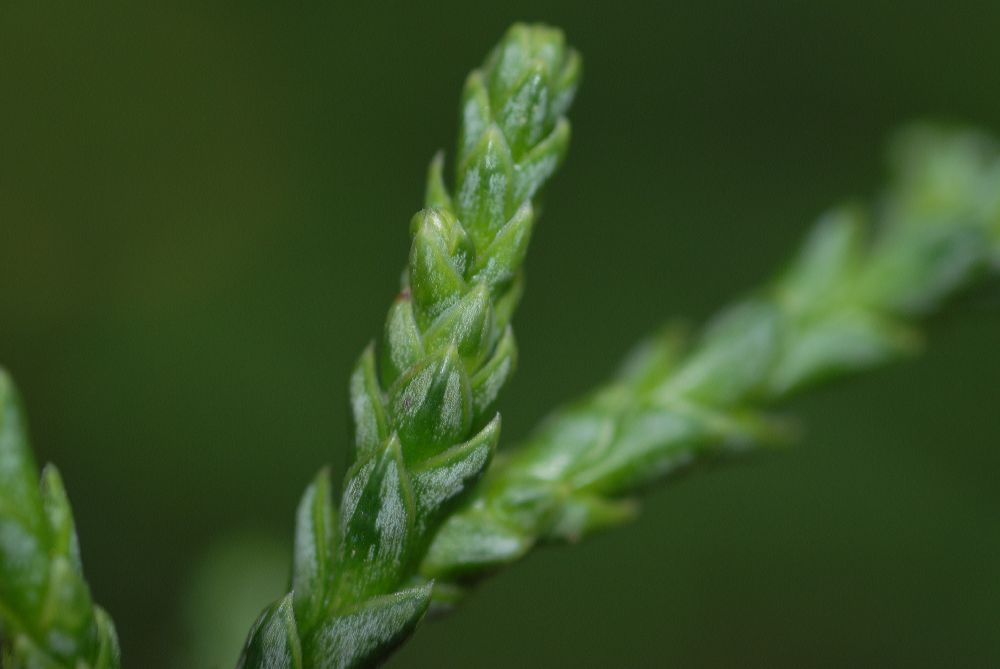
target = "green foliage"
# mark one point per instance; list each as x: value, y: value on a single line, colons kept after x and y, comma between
x: 846, y: 303
x: 424, y: 435
x: 422, y: 512
x: 47, y: 618
x: 425, y: 427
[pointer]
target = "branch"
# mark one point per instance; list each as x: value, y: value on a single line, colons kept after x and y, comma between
x: 47, y: 617
x: 425, y: 428
x: 849, y: 302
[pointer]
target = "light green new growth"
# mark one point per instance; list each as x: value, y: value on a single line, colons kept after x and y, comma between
x: 425, y: 428
x: 845, y: 304
x: 47, y: 619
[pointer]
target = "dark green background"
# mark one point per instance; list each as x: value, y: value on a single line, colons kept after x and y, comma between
x: 203, y: 213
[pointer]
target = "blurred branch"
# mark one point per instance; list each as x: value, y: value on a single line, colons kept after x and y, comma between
x: 848, y: 302
x: 47, y: 618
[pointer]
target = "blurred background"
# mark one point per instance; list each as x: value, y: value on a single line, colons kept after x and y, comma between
x: 203, y: 215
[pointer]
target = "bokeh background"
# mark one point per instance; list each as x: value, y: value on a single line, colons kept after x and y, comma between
x: 203, y: 213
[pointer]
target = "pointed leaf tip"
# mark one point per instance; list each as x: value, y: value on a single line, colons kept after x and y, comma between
x: 315, y: 547
x: 369, y: 633
x: 370, y: 422
x: 432, y: 405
